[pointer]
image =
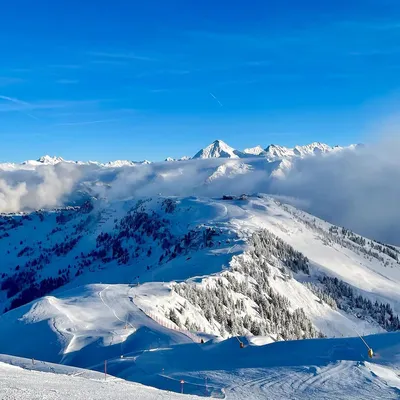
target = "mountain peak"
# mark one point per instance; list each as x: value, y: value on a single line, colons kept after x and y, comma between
x: 218, y: 149
x: 49, y: 159
x: 276, y: 152
x: 255, y: 151
x: 312, y: 148
x: 44, y: 160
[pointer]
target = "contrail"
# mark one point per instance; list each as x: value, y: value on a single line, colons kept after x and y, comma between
x: 216, y: 99
x: 14, y: 100
x: 21, y: 103
x: 87, y: 122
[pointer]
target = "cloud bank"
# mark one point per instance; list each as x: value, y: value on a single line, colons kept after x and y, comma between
x: 359, y: 190
x: 356, y: 189
x: 44, y: 187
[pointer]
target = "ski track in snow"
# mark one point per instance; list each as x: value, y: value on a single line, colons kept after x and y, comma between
x: 340, y: 380
x: 112, y: 310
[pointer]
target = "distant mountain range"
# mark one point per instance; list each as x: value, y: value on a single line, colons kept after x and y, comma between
x: 273, y: 152
x: 217, y: 149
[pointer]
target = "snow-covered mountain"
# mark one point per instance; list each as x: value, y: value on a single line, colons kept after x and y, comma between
x: 218, y: 149
x: 273, y: 152
x: 169, y: 269
x: 276, y: 152
x: 178, y: 239
x: 184, y: 158
x: 255, y: 151
x: 49, y: 160
x: 111, y: 279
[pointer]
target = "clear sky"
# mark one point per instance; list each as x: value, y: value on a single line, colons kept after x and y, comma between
x: 127, y: 79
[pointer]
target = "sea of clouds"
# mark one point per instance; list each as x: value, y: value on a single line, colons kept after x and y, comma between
x: 358, y: 189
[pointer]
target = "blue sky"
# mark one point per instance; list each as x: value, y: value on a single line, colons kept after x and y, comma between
x: 132, y: 80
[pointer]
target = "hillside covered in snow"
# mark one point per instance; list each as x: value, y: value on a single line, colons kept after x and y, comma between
x: 217, y: 267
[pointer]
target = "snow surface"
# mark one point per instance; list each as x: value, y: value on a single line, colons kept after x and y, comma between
x: 318, y: 368
x: 236, y: 220
x: 103, y: 314
x: 19, y: 382
x: 307, y: 369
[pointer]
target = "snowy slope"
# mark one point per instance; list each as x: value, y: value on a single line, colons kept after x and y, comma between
x: 267, y: 268
x: 83, y: 326
x: 168, y: 240
x: 69, y: 237
x: 320, y: 369
x: 22, y: 380
x: 308, y: 369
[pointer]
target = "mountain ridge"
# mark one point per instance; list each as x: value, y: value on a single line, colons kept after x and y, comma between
x: 216, y: 149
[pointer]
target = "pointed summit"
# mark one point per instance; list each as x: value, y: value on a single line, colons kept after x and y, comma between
x: 218, y: 149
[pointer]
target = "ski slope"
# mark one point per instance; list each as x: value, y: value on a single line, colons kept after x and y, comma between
x: 120, y: 311
x: 307, y: 369
x: 83, y: 327
x: 19, y: 382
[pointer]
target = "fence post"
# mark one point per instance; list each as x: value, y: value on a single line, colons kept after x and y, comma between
x: 105, y: 369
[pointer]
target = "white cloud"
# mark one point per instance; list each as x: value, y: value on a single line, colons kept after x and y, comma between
x: 46, y: 186
x: 358, y: 190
